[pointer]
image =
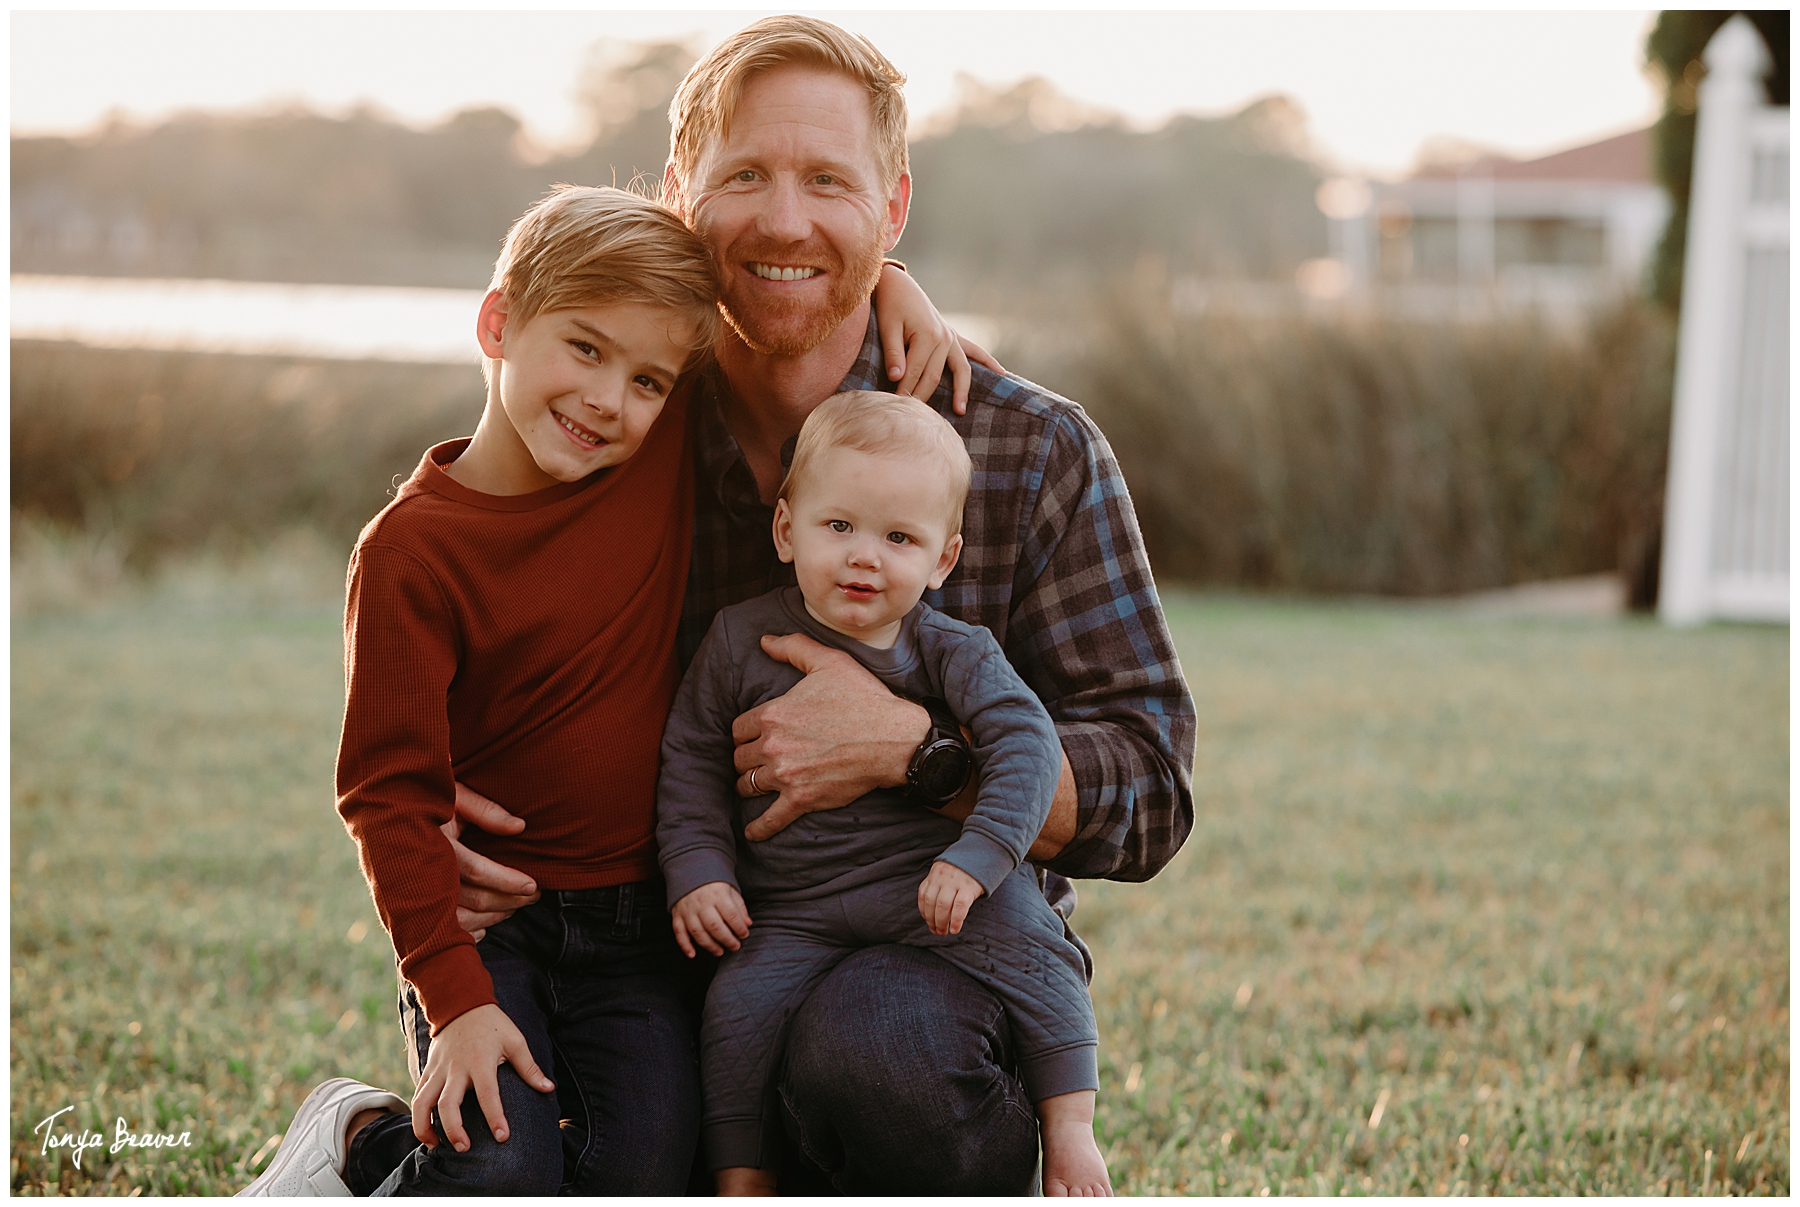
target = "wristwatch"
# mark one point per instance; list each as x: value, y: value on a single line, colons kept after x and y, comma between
x: 941, y: 765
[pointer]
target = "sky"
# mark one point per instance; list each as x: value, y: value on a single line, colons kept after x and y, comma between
x: 1374, y: 86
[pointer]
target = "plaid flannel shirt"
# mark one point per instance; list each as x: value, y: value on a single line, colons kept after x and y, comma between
x: 1052, y: 564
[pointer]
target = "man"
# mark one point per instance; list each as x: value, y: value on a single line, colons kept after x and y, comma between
x: 788, y: 158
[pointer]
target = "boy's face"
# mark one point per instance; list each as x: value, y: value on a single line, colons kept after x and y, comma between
x: 580, y: 388
x: 867, y: 535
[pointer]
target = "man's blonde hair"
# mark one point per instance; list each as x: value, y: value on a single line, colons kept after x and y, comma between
x: 889, y: 425
x: 583, y: 246
x: 708, y: 97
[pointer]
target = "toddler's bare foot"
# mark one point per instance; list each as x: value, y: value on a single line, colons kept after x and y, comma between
x: 743, y: 1180
x: 1073, y: 1165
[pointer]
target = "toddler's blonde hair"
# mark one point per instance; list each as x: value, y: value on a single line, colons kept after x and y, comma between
x: 888, y: 425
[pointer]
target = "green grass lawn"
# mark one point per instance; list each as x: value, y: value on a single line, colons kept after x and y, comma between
x: 1470, y: 906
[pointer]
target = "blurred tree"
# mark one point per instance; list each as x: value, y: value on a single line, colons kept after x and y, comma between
x: 1020, y: 187
x: 625, y: 89
x: 1673, y: 50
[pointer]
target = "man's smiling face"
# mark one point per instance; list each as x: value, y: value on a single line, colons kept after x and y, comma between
x: 795, y: 208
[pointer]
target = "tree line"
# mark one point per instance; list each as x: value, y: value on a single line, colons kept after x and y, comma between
x: 1004, y: 197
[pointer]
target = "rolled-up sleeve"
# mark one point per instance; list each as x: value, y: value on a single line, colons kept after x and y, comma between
x: 1087, y: 632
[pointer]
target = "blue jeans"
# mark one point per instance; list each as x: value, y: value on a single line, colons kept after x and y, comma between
x: 607, y: 1004
x: 900, y: 1078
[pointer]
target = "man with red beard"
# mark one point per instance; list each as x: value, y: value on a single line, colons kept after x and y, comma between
x: 788, y: 157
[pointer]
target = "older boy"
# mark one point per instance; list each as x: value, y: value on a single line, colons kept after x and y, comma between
x: 870, y: 516
x: 488, y: 639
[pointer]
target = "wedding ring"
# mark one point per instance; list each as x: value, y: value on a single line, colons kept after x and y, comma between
x: 754, y: 790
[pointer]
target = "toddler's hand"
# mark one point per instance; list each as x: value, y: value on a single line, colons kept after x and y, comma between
x: 713, y: 916
x: 464, y: 1055
x: 945, y: 896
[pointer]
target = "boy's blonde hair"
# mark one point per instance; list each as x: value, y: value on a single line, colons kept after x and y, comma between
x: 708, y: 97
x: 583, y: 246
x: 886, y: 425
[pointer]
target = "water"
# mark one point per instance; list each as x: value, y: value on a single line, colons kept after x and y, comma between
x: 345, y: 322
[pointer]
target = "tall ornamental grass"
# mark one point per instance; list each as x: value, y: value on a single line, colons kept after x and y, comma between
x: 1375, y: 455
x: 174, y: 453
x: 1308, y: 453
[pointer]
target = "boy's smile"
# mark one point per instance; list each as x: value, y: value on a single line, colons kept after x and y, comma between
x: 867, y: 534
x: 575, y: 391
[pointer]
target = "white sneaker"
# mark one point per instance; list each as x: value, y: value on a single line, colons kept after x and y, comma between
x: 310, y: 1161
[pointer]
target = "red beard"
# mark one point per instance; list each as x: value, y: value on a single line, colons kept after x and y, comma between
x: 777, y: 326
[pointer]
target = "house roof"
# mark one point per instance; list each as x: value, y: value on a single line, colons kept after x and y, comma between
x: 1624, y: 159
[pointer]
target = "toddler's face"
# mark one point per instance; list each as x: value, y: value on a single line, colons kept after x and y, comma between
x: 867, y: 534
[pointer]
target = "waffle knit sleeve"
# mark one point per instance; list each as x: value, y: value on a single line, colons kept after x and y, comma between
x: 394, y: 781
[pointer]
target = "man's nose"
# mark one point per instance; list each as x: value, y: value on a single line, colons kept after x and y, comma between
x: 784, y: 216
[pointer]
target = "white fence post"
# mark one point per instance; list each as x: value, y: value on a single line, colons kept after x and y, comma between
x: 1725, y: 521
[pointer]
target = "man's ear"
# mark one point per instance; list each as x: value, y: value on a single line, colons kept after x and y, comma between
x: 490, y: 325
x: 784, y: 531
x: 674, y: 196
x: 898, y: 205
x: 946, y: 562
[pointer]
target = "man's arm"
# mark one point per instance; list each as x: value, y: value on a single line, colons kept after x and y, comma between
x: 1088, y: 634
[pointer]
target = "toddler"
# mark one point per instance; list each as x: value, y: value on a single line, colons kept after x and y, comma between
x: 870, y: 516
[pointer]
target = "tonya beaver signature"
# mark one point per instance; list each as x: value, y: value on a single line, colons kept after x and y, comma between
x: 123, y: 1138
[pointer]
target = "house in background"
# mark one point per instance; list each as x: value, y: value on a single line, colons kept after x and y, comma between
x: 1561, y: 233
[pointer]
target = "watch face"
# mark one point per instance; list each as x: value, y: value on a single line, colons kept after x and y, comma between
x: 943, y: 769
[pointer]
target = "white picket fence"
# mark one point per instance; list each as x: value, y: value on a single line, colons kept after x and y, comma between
x: 1725, y: 527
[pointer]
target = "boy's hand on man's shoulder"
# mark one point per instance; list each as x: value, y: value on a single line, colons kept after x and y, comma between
x: 712, y: 916
x: 465, y: 1055
x: 945, y: 896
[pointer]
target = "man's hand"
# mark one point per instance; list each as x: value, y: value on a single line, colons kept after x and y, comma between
x: 490, y: 891
x: 466, y: 1053
x: 945, y: 896
x: 713, y: 916
x: 836, y: 735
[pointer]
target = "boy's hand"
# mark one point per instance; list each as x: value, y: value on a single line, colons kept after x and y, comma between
x: 945, y: 896
x: 713, y: 916
x: 917, y: 342
x: 466, y: 1053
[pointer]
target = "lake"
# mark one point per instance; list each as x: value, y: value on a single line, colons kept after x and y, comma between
x: 342, y: 322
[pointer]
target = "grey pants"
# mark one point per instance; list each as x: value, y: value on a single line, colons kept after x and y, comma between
x: 1012, y: 942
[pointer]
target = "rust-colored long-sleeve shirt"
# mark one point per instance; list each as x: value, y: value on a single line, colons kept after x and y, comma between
x: 523, y: 645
